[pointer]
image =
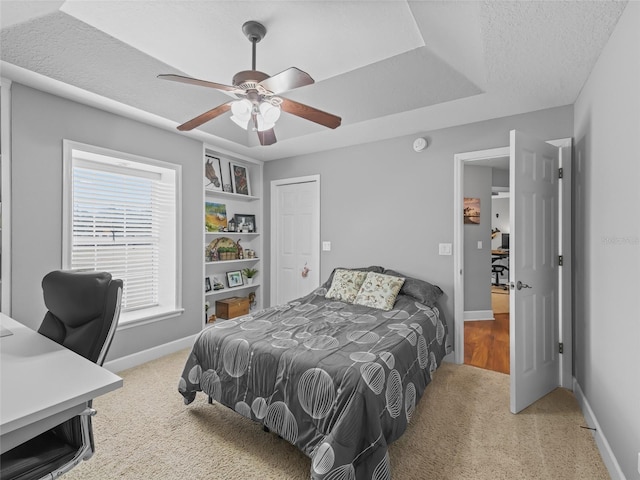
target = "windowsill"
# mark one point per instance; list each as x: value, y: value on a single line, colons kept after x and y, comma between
x: 148, y: 315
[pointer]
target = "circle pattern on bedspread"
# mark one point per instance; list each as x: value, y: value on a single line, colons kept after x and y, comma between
x: 389, y: 359
x: 259, y: 407
x: 225, y: 324
x: 423, y: 352
x: 393, y: 394
x: 316, y: 392
x: 362, y: 318
x: 256, y: 325
x: 373, y: 375
x: 280, y: 419
x: 362, y: 337
x: 323, y: 459
x: 243, y: 409
x: 362, y: 357
x: 343, y: 472
x: 439, y: 332
x: 285, y: 343
x: 383, y: 469
x: 194, y: 374
x: 210, y: 384
x: 321, y: 342
x: 236, y: 357
x: 396, y: 314
x: 295, y: 321
x: 409, y: 401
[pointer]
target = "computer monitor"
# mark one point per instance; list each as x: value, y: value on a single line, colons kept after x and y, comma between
x: 505, y: 241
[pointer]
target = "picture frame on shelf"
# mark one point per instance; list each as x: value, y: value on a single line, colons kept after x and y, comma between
x: 207, y: 284
x: 213, y: 173
x: 215, y: 217
x: 234, y: 279
x: 245, y: 223
x: 240, y: 178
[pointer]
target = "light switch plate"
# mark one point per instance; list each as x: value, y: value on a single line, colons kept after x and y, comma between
x: 444, y: 249
x: 326, y: 246
x: 479, y: 244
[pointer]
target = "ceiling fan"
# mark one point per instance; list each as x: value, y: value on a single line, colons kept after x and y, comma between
x: 257, y: 104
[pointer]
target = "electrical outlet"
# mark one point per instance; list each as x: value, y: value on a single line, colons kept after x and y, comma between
x: 326, y: 246
x: 444, y: 249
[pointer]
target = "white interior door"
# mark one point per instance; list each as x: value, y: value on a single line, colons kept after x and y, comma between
x: 533, y: 270
x: 295, y: 240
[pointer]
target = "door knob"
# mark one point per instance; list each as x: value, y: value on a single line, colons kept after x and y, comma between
x: 520, y: 285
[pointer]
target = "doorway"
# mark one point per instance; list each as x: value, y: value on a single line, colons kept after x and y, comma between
x: 529, y: 156
x: 295, y: 237
x: 486, y: 308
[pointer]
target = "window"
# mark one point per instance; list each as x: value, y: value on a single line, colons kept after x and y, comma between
x: 121, y: 216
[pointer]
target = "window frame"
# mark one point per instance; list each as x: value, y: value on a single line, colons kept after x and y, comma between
x: 143, y: 315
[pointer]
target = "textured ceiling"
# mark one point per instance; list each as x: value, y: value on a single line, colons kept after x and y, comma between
x: 388, y: 68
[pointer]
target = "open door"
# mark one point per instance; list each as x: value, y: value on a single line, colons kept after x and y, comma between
x: 533, y: 274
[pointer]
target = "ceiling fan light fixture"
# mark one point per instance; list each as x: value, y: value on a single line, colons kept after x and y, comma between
x: 263, y: 124
x: 241, y: 123
x: 241, y: 109
x: 269, y: 112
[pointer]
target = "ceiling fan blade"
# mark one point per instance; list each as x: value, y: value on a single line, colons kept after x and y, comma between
x: 310, y: 113
x: 267, y: 137
x: 205, y: 117
x: 202, y: 83
x: 287, y: 80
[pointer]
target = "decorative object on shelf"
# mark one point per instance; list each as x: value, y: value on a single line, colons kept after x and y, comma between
x: 234, y: 279
x: 245, y: 223
x: 231, y: 226
x: 227, y: 187
x: 232, y: 307
x: 207, y: 285
x: 252, y: 299
x: 240, y: 179
x: 240, y: 250
x: 213, y: 172
x: 222, y: 248
x: 471, y: 211
x: 215, y: 217
x: 249, y: 253
x: 217, y: 284
x: 206, y: 309
x: 249, y: 273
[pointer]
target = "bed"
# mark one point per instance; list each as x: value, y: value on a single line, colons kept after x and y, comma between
x: 337, y: 378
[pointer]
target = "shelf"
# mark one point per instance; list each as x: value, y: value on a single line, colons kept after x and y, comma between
x: 231, y: 289
x: 234, y: 196
x: 237, y: 234
x: 222, y: 262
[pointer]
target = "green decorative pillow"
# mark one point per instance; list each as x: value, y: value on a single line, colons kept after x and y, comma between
x: 346, y: 285
x: 379, y: 291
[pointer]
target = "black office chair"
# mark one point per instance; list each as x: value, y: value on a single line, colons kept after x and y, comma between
x: 499, y: 270
x: 83, y: 314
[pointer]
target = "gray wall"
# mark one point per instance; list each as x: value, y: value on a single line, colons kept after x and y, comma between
x: 477, y: 262
x: 500, y: 207
x: 384, y: 204
x: 40, y: 122
x: 607, y: 240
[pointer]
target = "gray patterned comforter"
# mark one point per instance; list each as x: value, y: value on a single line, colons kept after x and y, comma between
x: 339, y: 381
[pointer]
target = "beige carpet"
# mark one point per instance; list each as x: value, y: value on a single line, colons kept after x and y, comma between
x: 462, y: 429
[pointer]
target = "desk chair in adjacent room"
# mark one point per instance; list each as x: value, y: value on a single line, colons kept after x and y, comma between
x: 83, y: 311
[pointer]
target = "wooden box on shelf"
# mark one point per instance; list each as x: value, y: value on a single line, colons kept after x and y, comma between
x: 232, y: 307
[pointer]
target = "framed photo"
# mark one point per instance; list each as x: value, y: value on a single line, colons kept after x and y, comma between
x: 240, y: 178
x: 213, y: 173
x: 234, y: 279
x: 215, y: 217
x: 471, y: 211
x: 207, y: 284
x: 245, y: 223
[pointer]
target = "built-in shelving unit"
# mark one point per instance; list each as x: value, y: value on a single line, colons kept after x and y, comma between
x: 235, y: 204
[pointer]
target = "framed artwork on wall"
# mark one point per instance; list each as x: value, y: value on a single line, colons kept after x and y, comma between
x: 471, y: 211
x: 240, y: 179
x: 245, y: 223
x: 213, y: 173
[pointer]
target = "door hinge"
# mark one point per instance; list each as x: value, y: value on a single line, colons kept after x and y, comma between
x: 561, y: 347
x: 560, y: 172
x: 560, y: 260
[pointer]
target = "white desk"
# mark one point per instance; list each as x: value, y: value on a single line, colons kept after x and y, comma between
x: 42, y: 384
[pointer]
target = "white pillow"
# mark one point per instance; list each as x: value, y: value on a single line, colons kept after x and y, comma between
x: 379, y: 291
x: 346, y: 285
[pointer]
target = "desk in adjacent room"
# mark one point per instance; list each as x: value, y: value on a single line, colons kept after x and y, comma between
x: 42, y: 383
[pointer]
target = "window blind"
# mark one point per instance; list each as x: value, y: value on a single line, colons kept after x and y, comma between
x: 116, y: 227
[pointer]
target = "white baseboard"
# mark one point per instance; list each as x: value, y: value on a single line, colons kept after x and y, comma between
x: 475, y: 315
x: 606, y: 453
x: 145, y: 356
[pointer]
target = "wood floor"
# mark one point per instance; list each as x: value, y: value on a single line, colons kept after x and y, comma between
x: 486, y: 342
